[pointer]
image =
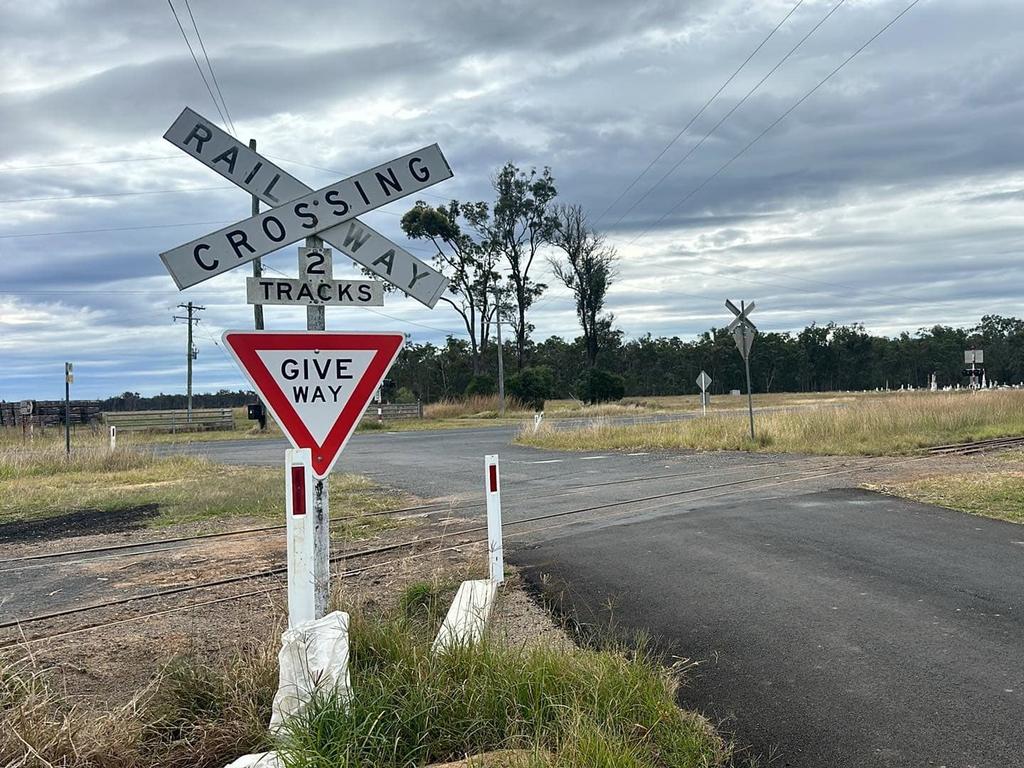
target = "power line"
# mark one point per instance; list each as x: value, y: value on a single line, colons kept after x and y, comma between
x: 698, y: 113
x: 91, y: 162
x: 196, y: 60
x: 728, y: 114
x: 112, y: 194
x: 213, y: 74
x: 775, y: 122
x: 114, y: 229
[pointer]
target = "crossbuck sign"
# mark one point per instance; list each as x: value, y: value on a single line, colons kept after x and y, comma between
x: 298, y: 211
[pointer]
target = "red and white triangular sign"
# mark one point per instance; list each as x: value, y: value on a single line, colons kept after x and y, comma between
x: 317, y: 384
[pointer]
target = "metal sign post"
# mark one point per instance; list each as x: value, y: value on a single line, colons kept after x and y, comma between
x: 69, y: 378
x: 703, y: 382
x: 314, y: 262
x: 743, y: 331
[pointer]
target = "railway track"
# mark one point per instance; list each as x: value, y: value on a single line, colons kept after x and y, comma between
x: 154, y: 546
x: 977, y: 446
x: 446, y: 541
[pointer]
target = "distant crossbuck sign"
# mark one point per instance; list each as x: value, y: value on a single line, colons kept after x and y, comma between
x: 742, y: 328
x: 299, y: 211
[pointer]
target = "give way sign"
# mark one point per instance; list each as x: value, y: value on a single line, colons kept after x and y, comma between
x: 317, y: 384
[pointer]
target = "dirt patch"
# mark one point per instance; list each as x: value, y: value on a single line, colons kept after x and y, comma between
x: 103, y: 665
x: 83, y: 522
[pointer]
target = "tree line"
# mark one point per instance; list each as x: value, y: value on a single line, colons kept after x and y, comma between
x: 817, y: 358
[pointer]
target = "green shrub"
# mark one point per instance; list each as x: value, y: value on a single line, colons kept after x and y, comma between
x: 405, y: 396
x: 597, y: 386
x: 481, y: 384
x: 533, y: 386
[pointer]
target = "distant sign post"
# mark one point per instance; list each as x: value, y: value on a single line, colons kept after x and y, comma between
x: 974, y: 358
x: 703, y: 382
x: 743, y: 331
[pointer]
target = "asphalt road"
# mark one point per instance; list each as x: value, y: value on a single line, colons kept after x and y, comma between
x: 833, y: 626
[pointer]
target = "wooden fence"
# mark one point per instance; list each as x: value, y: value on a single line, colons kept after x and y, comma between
x: 49, y: 413
x: 393, y: 411
x: 172, y: 420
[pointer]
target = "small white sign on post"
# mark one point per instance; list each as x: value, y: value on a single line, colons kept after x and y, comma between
x: 300, y: 524
x: 704, y: 381
x: 492, y: 491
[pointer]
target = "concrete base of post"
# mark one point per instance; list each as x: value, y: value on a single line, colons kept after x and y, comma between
x: 467, y: 618
x: 313, y: 658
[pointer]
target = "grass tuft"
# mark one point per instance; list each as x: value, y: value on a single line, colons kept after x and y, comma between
x: 560, y: 708
x: 474, y: 406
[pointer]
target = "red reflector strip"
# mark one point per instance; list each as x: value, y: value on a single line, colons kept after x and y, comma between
x: 298, y: 490
x: 493, y: 478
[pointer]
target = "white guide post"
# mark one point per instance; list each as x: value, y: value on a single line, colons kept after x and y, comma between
x: 113, y: 437
x: 492, y: 491
x: 301, y: 522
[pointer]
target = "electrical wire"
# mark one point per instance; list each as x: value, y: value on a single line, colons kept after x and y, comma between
x: 729, y: 114
x: 113, y: 194
x: 196, y: 60
x: 699, y: 112
x: 91, y: 162
x: 209, y: 65
x: 113, y: 229
x: 777, y: 120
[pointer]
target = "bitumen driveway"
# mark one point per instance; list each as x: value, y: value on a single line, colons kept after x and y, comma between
x: 833, y: 627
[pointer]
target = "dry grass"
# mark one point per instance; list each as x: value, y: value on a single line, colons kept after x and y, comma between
x: 989, y: 491
x: 866, y: 426
x: 193, y: 715
x: 475, y: 406
x: 560, y: 707
x: 41, y: 482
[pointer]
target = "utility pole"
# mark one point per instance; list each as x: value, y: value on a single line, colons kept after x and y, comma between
x: 501, y: 363
x: 257, y: 264
x: 190, y: 352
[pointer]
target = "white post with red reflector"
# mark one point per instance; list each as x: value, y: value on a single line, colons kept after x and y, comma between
x: 492, y: 492
x: 301, y: 530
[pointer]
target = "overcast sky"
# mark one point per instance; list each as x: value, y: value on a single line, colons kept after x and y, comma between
x: 893, y: 195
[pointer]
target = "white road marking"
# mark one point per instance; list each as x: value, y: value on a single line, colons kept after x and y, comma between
x: 544, y: 461
x: 591, y: 458
x: 637, y: 454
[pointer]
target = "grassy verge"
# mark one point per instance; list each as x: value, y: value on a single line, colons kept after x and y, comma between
x: 40, y: 482
x: 990, y: 492
x: 410, y: 707
x: 875, y: 426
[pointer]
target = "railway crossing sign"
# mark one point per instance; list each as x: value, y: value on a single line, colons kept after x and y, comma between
x: 298, y: 211
x: 743, y: 331
x: 317, y: 384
